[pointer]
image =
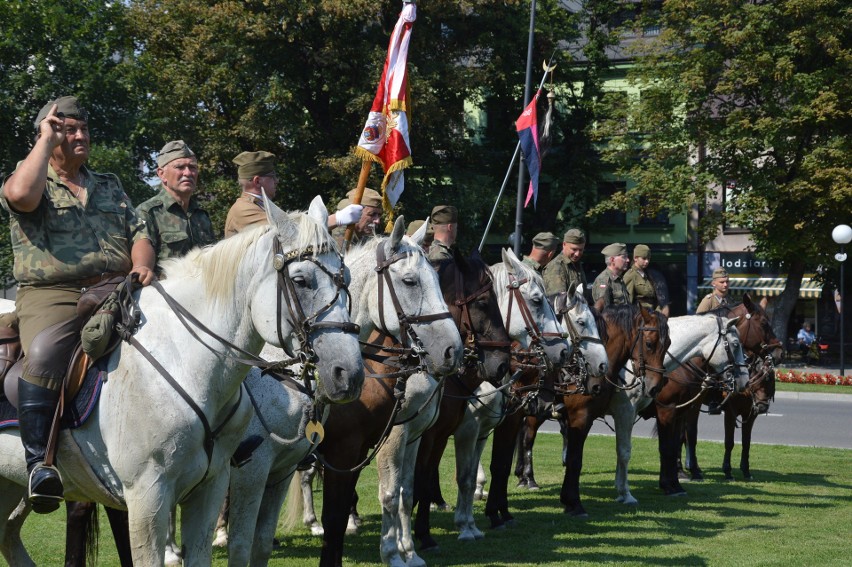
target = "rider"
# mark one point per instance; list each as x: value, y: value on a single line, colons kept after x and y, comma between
x: 719, y: 296
x: 444, y: 222
x: 545, y: 247
x: 566, y: 268
x: 363, y: 218
x: 641, y: 287
x: 609, y: 285
x: 414, y: 226
x: 71, y: 228
x: 175, y: 221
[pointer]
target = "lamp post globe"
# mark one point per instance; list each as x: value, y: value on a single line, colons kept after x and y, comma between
x: 842, y: 235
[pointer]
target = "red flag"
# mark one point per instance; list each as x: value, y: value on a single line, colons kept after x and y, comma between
x: 527, y: 126
x: 385, y: 135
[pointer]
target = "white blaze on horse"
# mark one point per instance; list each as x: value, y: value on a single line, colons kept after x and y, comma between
x: 713, y: 339
x: 532, y: 325
x: 144, y: 448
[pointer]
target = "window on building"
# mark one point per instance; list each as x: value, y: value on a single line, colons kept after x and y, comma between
x: 648, y: 216
x: 606, y: 190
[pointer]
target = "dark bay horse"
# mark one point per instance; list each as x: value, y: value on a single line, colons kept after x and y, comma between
x: 633, y: 333
x: 677, y: 407
x: 468, y: 289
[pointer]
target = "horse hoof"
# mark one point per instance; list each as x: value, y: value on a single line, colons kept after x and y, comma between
x: 221, y: 538
x: 466, y: 536
x: 677, y: 493
x: 521, y: 484
x: 317, y: 530
x: 580, y: 514
x: 415, y: 561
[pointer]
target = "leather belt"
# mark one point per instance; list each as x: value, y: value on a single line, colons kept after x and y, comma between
x: 86, y: 282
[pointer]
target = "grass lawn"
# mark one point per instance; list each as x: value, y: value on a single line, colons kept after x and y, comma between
x: 798, y: 511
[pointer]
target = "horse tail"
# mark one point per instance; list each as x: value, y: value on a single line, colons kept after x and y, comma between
x: 295, y: 509
x: 92, y: 531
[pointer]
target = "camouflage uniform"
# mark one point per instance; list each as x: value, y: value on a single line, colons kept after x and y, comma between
x: 611, y: 288
x: 641, y: 288
x: 710, y: 302
x: 440, y: 252
x: 533, y: 264
x: 560, y: 273
x: 173, y: 231
x: 246, y: 211
x: 63, y: 246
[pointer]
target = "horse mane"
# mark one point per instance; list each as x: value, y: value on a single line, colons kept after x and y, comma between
x: 358, y: 251
x: 500, y: 273
x: 626, y: 314
x: 600, y: 322
x: 217, y: 265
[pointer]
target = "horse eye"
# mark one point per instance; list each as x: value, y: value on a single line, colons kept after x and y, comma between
x: 649, y: 345
x: 300, y: 281
x: 409, y: 280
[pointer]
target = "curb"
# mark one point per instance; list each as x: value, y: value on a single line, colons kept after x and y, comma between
x: 814, y: 396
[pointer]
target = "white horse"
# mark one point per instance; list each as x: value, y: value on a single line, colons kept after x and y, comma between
x: 533, y: 325
x: 712, y: 338
x: 391, y: 280
x: 123, y: 458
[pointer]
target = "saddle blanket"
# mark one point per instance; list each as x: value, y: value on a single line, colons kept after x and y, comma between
x: 78, y: 411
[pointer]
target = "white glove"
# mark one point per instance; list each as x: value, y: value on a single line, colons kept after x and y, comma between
x: 348, y: 215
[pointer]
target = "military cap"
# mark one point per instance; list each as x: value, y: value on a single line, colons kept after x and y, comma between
x: 370, y: 198
x: 66, y: 106
x: 173, y: 150
x: 546, y: 241
x: 574, y: 236
x: 413, y: 226
x: 720, y: 273
x: 343, y: 203
x: 614, y: 249
x: 250, y: 164
x: 444, y: 214
x: 430, y: 234
x: 641, y: 251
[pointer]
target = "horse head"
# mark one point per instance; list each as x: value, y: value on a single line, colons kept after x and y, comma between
x: 296, y: 287
x: 528, y: 317
x: 396, y: 290
x: 468, y: 289
x: 584, y: 331
x: 641, y: 337
x: 723, y: 352
x: 762, y: 350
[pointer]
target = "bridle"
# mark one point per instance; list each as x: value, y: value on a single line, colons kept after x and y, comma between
x: 640, y: 364
x: 574, y: 379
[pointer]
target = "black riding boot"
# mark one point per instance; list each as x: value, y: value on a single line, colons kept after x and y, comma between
x: 36, y: 408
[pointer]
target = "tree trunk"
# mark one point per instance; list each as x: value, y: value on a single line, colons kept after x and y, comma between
x: 786, y: 302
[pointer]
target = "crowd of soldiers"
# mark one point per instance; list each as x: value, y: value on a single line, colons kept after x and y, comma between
x: 73, y: 228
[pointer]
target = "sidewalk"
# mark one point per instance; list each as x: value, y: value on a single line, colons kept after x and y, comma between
x: 819, y: 396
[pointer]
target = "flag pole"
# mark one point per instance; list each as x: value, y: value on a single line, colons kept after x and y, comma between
x: 366, y: 166
x: 519, y: 203
x: 547, y: 69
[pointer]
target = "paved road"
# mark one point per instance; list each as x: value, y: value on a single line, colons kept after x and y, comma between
x: 804, y: 419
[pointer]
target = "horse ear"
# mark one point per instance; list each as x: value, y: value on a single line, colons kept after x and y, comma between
x: 732, y: 322
x: 749, y: 304
x: 397, y: 233
x: 420, y: 234
x: 511, y: 262
x: 278, y: 218
x: 318, y: 211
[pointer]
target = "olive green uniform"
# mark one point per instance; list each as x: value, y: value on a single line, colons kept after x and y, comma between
x: 641, y: 288
x: 611, y: 288
x: 61, y: 247
x: 246, y: 211
x: 710, y: 302
x: 560, y: 273
x: 533, y: 264
x: 173, y: 231
x: 440, y: 252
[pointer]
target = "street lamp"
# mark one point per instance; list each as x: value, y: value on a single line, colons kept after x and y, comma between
x: 842, y: 234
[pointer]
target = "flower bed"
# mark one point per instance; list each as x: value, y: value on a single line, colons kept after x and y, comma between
x: 799, y: 377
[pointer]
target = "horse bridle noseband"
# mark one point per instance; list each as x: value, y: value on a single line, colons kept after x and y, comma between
x: 577, y: 367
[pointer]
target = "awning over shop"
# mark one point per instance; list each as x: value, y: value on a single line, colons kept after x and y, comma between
x: 770, y: 287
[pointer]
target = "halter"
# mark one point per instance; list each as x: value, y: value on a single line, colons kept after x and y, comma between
x: 640, y: 366
x: 576, y: 370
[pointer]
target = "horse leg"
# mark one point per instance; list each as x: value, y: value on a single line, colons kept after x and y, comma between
x: 13, y: 512
x: 338, y: 488
x: 428, y: 457
x: 624, y: 414
x: 354, y: 520
x: 748, y: 425
x: 247, y: 491
x: 691, y: 429
x: 730, y: 430
x: 389, y: 464
x: 465, y: 437
x: 148, y: 522
x: 406, y: 505
x: 309, y: 515
x: 198, y: 520
x: 526, y: 440
x: 481, y: 480
x: 669, y: 426
x: 221, y: 539
x: 574, y: 439
x: 266, y: 521
x: 121, y: 534
x: 81, y: 527
x: 502, y: 450
x: 174, y: 553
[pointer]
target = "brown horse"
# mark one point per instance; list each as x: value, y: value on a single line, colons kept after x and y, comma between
x: 468, y: 289
x: 677, y: 407
x: 633, y: 333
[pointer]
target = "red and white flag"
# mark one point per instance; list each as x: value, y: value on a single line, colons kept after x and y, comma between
x: 385, y: 135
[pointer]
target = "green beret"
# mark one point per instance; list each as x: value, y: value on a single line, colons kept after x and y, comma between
x: 67, y: 106
x: 574, y: 236
x: 413, y: 226
x: 255, y: 163
x: 444, y: 214
x: 546, y: 241
x: 370, y: 198
x: 173, y: 150
x: 641, y: 251
x: 720, y: 273
x: 614, y: 249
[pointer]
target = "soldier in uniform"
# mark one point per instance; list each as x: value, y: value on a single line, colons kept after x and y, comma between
x: 609, y: 285
x: 641, y: 287
x: 71, y: 228
x: 545, y: 247
x: 414, y: 226
x: 566, y: 268
x: 719, y: 296
x: 364, y: 221
x: 175, y: 221
x: 256, y: 175
x: 444, y: 221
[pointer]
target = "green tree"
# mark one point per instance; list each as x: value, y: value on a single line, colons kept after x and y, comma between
x: 756, y: 92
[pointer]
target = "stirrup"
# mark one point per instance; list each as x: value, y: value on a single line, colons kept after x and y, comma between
x: 50, y: 488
